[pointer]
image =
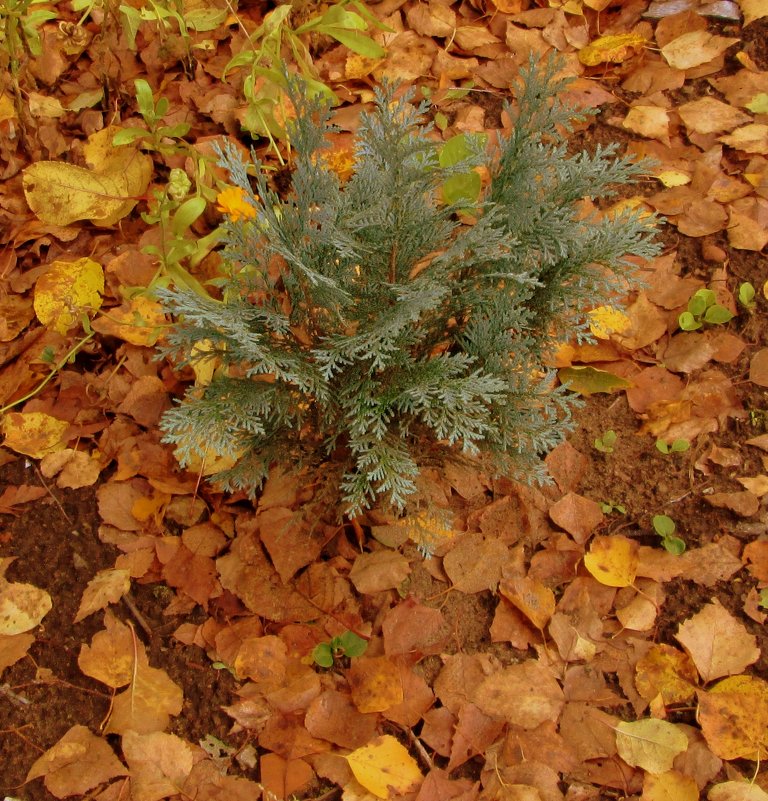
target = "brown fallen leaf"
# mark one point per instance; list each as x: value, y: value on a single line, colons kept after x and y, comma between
x: 695, y: 48
x: 106, y: 587
x: 284, y: 778
x: 475, y: 731
x: 577, y: 515
x: 708, y: 115
x: 378, y: 571
x: 743, y: 504
x: 718, y: 644
x: 77, y: 763
x: 333, y: 716
x: 524, y: 695
x: 159, y: 763
x: 13, y: 497
x: 474, y: 563
x: 758, y: 368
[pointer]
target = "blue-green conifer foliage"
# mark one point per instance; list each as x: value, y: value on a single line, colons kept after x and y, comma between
x: 365, y: 329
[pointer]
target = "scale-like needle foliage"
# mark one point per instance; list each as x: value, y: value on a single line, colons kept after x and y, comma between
x: 363, y: 324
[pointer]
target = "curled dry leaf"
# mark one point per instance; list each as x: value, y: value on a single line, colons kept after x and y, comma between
x: 535, y: 600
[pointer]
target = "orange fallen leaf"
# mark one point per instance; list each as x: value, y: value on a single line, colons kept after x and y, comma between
x: 734, y: 718
x: 375, y: 684
x: 16, y: 496
x: 535, y: 600
x: 667, y: 672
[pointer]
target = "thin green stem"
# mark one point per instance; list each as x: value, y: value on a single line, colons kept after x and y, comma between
x: 41, y: 386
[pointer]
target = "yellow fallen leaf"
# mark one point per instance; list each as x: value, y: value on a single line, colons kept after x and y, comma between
x: 604, y: 320
x: 613, y: 560
x: 752, y: 138
x: 650, y: 744
x: 203, y: 362
x: 66, y: 290
x: 672, y: 178
x: 22, y: 607
x: 753, y: 9
x: 7, y: 110
x: 615, y: 49
x: 759, y: 103
x: 667, y: 672
x: 384, y: 766
x: 589, y: 380
x: 34, y: 434
x: 60, y: 193
x: 670, y: 785
x: 139, y: 321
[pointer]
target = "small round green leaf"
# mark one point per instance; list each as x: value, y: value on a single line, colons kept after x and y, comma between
x: 323, y: 655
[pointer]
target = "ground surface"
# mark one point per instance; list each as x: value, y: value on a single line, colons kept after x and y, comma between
x: 225, y: 618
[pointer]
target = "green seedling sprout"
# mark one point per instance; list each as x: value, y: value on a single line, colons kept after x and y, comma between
x: 347, y: 644
x: 665, y: 527
x: 676, y: 446
x: 156, y: 136
x: 747, y: 296
x: 609, y: 507
x: 703, y: 308
x: 605, y: 443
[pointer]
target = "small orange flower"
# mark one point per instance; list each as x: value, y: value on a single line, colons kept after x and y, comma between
x: 233, y: 202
